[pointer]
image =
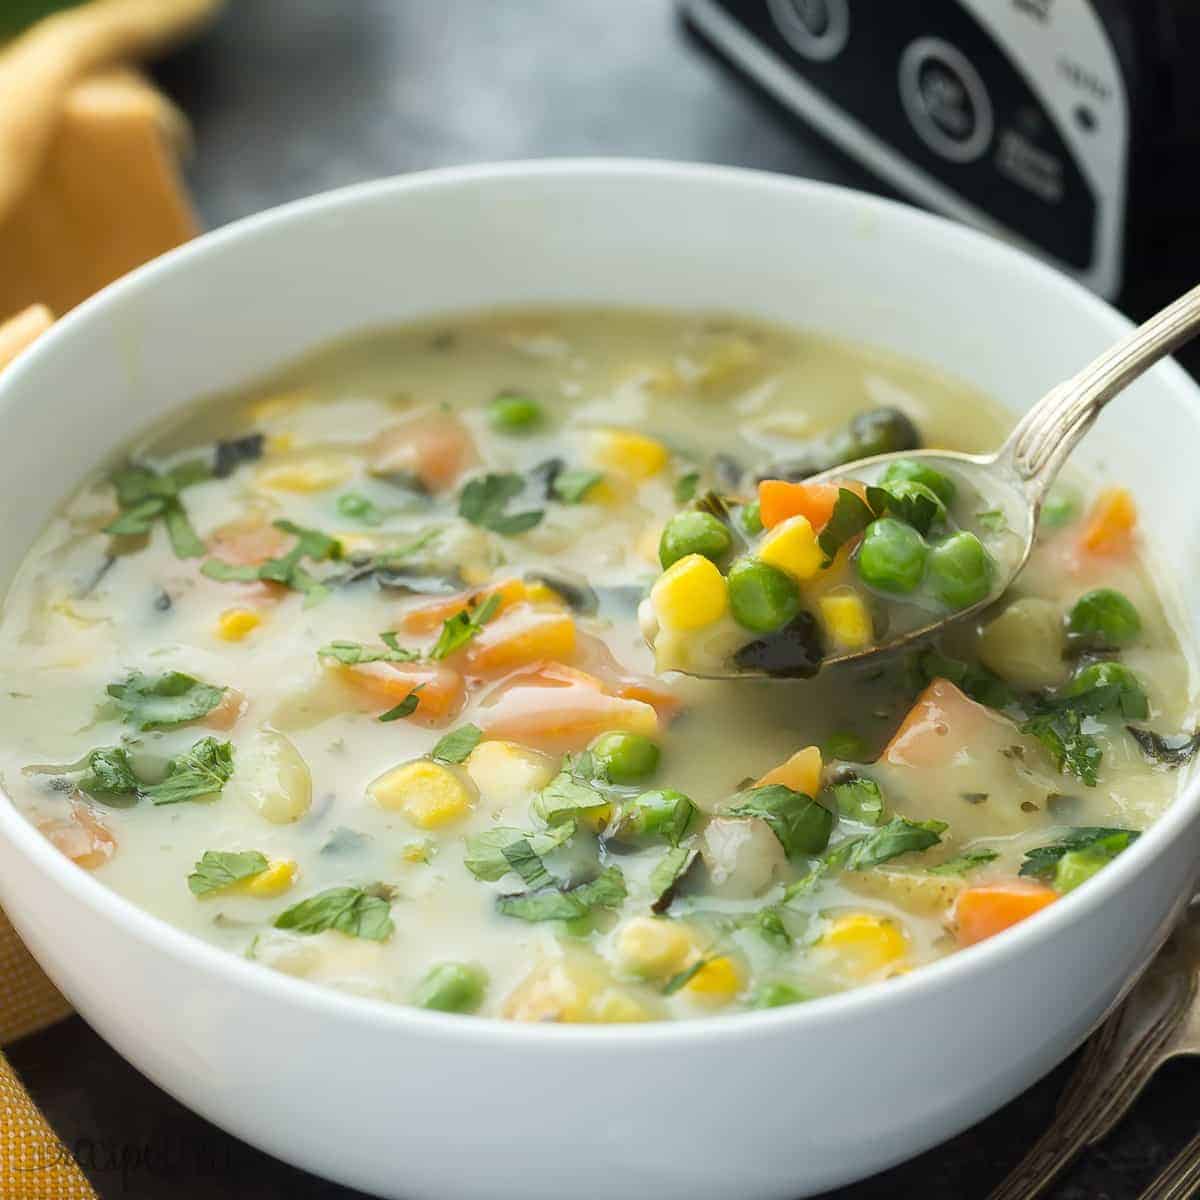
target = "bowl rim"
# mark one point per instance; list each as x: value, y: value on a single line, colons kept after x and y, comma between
x: 857, y: 1003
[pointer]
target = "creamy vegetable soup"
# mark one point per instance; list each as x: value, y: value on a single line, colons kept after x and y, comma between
x: 345, y: 673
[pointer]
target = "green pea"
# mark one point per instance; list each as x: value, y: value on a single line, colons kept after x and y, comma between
x: 960, y: 570
x: 761, y: 597
x: 665, y: 813
x: 892, y: 556
x: 452, y: 987
x: 849, y: 747
x: 1104, y: 618
x: 1078, y: 866
x: 511, y: 412
x: 1108, y: 687
x: 625, y: 757
x: 750, y: 516
x: 776, y: 995
x: 912, y: 469
x: 693, y: 533
x: 1059, y: 508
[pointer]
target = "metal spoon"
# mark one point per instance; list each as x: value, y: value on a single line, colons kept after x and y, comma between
x: 1016, y: 478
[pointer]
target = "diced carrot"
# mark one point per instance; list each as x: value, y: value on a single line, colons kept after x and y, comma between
x: 427, y: 618
x: 778, y: 500
x: 983, y: 911
x: 227, y: 711
x: 435, y: 448
x: 521, y: 635
x: 593, y: 656
x: 250, y: 541
x: 1109, y: 526
x: 440, y: 699
x: 556, y: 708
x: 82, y: 837
x: 801, y: 772
x: 940, y: 723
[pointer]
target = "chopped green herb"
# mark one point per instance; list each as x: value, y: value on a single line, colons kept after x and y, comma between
x: 1072, y: 751
x: 859, y: 799
x: 1169, y: 751
x: 405, y: 708
x: 967, y: 861
x: 353, y: 654
x: 486, y: 858
x: 526, y: 862
x: 1043, y: 861
x: 569, y: 792
x: 461, y: 628
x: 162, y: 701
x: 356, y: 912
x: 456, y: 746
x: 685, y: 487
x: 768, y: 924
x: 218, y: 869
x: 484, y: 501
x: 357, y: 507
x: 801, y: 824
x: 909, y: 501
x: 851, y: 515
x: 108, y: 775
x: 572, y: 486
x: 607, y: 890
x: 776, y: 995
x: 199, y: 774
x: 976, y: 681
x: 667, y: 873
x: 146, y: 496
x: 992, y: 520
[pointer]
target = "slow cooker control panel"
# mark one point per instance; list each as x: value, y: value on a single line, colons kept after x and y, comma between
x: 1009, y: 114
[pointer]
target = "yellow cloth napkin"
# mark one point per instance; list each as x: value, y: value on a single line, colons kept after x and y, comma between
x: 89, y: 188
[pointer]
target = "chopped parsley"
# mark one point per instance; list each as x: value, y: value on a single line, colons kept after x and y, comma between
x: 107, y: 775
x: 607, y: 890
x: 357, y: 507
x: 405, y: 708
x: 353, y: 654
x: 163, y: 701
x: 859, y: 799
x: 667, y: 874
x: 146, y: 496
x: 801, y: 824
x: 486, y: 856
x: 914, y: 503
x: 684, y: 977
x: 851, y: 515
x: 356, y: 912
x: 199, y: 774
x: 1072, y: 751
x: 456, y: 746
x: 219, y: 869
x: 1042, y: 862
x: 685, y: 487
x: 571, y: 791
x: 967, y: 861
x: 484, y: 501
x: 464, y: 626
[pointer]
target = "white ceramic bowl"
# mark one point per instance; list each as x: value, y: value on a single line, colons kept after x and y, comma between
x: 419, y: 1105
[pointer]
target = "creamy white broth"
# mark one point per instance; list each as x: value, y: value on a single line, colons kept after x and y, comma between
x: 74, y: 623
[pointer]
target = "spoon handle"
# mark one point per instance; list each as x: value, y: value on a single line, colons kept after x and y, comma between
x: 1048, y: 433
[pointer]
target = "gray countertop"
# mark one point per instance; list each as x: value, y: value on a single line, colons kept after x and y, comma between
x: 290, y: 97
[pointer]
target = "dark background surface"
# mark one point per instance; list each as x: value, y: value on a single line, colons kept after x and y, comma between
x: 291, y: 97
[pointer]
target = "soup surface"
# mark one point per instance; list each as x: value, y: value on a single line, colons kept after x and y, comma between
x: 344, y: 674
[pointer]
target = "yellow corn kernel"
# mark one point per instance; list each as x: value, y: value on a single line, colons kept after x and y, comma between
x: 574, y: 989
x: 801, y: 772
x: 270, y: 408
x: 274, y: 881
x: 717, y: 982
x: 792, y: 547
x: 427, y: 793
x: 615, y: 1007
x: 847, y: 619
x: 506, y: 773
x: 235, y: 623
x: 632, y: 454
x: 654, y: 947
x: 308, y: 473
x: 864, y: 943
x: 690, y: 594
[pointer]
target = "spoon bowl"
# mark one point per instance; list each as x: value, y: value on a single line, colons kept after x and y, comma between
x: 1013, y: 480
